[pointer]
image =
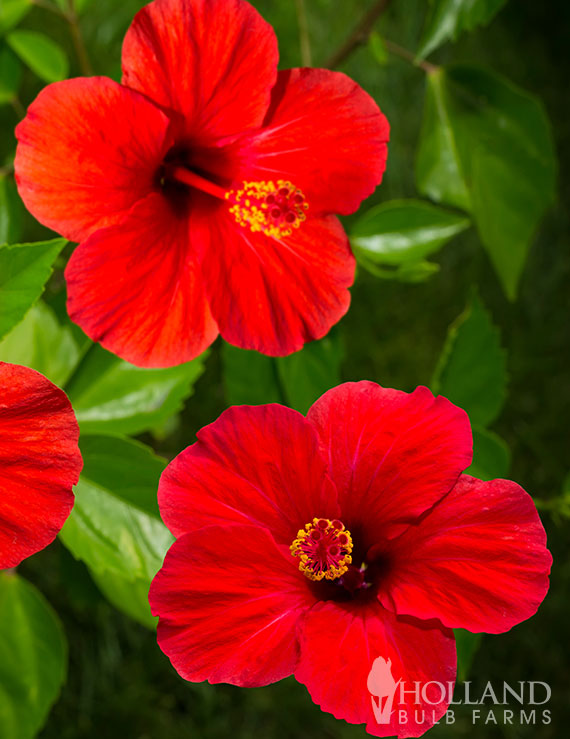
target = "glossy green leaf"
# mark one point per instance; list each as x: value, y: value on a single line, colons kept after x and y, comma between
x: 24, y: 270
x: 42, y: 55
x: 12, y: 12
x: 10, y: 76
x: 11, y: 211
x: 404, y: 231
x: 471, y: 371
x: 115, y: 526
x: 448, y: 18
x: 111, y: 395
x: 467, y: 645
x: 486, y: 146
x: 491, y: 455
x: 41, y: 343
x: 33, y: 658
x: 412, y: 272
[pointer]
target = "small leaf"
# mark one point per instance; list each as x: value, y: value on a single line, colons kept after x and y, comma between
x: 42, y: 55
x: 10, y: 76
x: 11, y: 211
x: 41, y: 343
x: 448, y: 18
x: 24, y: 270
x: 471, y: 371
x: 111, y: 395
x: 33, y: 658
x: 12, y: 12
x: 115, y: 527
x: 491, y: 456
x: 378, y: 48
x: 486, y: 146
x: 404, y: 231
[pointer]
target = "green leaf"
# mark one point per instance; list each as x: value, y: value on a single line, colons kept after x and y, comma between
x: 12, y: 12
x: 11, y: 211
x: 467, y: 645
x: 111, y: 395
x: 130, y: 597
x: 42, y: 55
x: 41, y: 343
x: 471, y: 371
x: 115, y: 526
x: 491, y: 455
x: 24, y: 270
x: 297, y: 380
x: 413, y: 272
x: 10, y: 76
x: 378, y: 48
x: 307, y: 374
x: 448, y: 18
x: 33, y: 658
x: 486, y: 146
x: 404, y: 231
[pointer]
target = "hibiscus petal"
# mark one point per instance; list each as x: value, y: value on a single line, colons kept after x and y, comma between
x: 273, y: 295
x: 339, y: 645
x: 254, y: 464
x: 88, y: 150
x: 135, y: 288
x: 391, y: 454
x: 229, y: 602
x: 324, y: 134
x: 214, y: 61
x: 477, y: 561
x: 39, y: 462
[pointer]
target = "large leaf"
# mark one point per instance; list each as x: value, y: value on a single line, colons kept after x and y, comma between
x: 486, y: 146
x: 297, y: 380
x: 491, y: 455
x: 10, y: 74
x: 471, y: 371
x: 111, y: 395
x: 448, y: 18
x: 33, y: 658
x: 115, y: 527
x: 41, y: 343
x: 12, y: 12
x: 24, y: 270
x: 42, y: 55
x: 404, y: 231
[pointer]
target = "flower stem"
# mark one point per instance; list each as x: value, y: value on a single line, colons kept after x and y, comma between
x: 360, y: 34
x: 304, y: 39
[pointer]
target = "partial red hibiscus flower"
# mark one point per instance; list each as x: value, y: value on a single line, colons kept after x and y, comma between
x: 342, y: 548
x: 39, y: 462
x: 202, y: 188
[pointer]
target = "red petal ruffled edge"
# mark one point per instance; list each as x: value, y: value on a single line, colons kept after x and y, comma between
x: 214, y: 61
x: 477, y: 561
x: 137, y: 289
x: 274, y: 295
x: 229, y: 602
x: 353, y: 657
x: 326, y: 135
x: 39, y: 462
x: 253, y: 465
x: 88, y: 149
x: 391, y: 454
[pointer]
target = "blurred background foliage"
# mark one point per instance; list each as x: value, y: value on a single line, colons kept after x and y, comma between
x: 457, y: 288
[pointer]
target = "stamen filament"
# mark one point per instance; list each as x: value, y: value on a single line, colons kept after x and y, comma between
x: 187, y: 177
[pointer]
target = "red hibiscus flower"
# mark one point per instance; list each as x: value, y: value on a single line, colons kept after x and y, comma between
x: 39, y: 462
x: 342, y: 548
x: 202, y: 188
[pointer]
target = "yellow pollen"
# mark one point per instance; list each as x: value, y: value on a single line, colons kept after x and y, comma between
x: 324, y: 549
x: 272, y: 208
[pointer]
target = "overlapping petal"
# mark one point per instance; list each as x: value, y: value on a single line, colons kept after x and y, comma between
x: 391, y: 454
x: 273, y: 295
x: 229, y: 601
x: 39, y: 462
x: 324, y: 134
x: 214, y: 61
x: 339, y: 643
x: 88, y: 150
x: 478, y: 560
x: 136, y: 288
x: 254, y: 465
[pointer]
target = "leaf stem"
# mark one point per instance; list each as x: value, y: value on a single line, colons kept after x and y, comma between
x: 403, y: 53
x: 304, y: 38
x: 77, y: 38
x: 359, y: 35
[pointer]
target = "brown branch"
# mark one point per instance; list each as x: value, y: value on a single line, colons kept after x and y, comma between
x: 360, y: 34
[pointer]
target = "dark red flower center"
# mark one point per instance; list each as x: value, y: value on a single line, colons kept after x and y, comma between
x: 323, y: 548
